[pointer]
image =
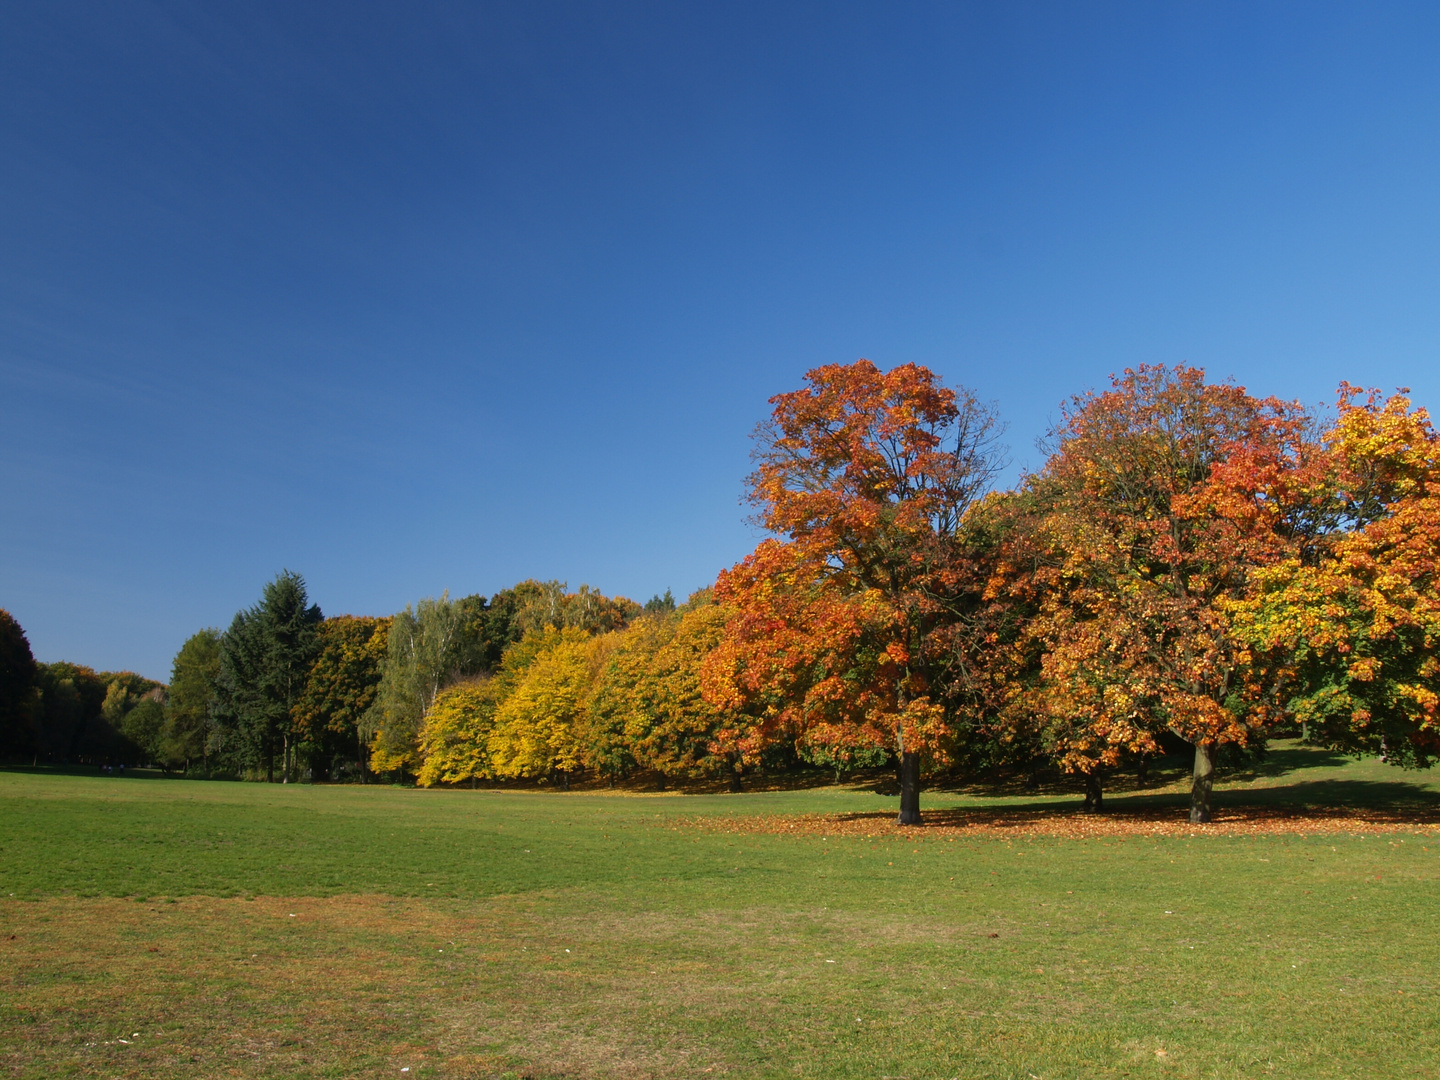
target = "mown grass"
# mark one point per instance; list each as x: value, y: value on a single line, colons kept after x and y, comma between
x: 246, y: 930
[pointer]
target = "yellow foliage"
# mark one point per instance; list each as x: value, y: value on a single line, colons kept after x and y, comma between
x: 455, y: 741
x: 539, y: 726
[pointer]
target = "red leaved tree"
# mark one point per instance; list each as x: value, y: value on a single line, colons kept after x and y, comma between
x: 842, y: 627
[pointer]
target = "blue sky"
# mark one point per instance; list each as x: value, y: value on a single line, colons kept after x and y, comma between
x: 427, y: 296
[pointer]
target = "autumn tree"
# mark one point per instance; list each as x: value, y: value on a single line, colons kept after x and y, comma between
x: 456, y: 738
x: 539, y: 726
x: 124, y: 690
x: 340, y: 688
x: 265, y: 661
x: 648, y: 710
x: 1352, y: 624
x: 614, y: 705
x: 1149, y: 523
x: 455, y: 741
x: 865, y: 477
x: 547, y: 603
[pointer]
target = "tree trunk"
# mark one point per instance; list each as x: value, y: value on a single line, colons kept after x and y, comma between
x: 734, y: 781
x: 1094, y: 795
x: 1203, y: 781
x: 1143, y: 773
x: 909, y: 789
x: 269, y: 761
x: 285, y: 759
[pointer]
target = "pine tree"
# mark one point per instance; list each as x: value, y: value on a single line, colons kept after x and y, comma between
x: 265, y: 661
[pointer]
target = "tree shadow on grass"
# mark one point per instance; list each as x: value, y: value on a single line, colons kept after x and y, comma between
x: 1162, y: 773
x: 1394, y: 802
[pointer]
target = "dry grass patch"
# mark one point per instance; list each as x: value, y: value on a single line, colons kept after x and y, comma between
x: 337, y: 986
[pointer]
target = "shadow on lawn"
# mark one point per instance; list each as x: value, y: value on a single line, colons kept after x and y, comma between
x: 1169, y: 772
x: 1393, y: 801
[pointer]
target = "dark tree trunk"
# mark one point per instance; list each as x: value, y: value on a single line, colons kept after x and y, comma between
x: 1143, y: 772
x: 1203, y: 781
x: 269, y: 761
x: 564, y: 779
x: 734, y: 780
x: 660, y: 782
x: 909, y: 789
x: 1094, y: 796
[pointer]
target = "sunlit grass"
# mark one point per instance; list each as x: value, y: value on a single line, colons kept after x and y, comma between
x: 264, y: 931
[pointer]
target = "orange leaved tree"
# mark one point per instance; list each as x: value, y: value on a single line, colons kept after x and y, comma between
x: 1164, y: 495
x: 836, y: 631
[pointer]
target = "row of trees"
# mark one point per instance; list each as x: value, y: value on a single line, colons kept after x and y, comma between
x: 285, y: 692
x: 70, y: 713
x: 1193, y: 564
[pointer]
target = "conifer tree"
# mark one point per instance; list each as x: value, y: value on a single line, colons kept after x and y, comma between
x: 17, y: 677
x: 265, y: 661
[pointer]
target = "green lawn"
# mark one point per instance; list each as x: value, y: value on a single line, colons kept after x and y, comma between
x: 238, y: 929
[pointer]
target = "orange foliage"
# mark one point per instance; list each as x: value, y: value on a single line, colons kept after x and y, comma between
x: 1164, y: 495
x: 867, y: 476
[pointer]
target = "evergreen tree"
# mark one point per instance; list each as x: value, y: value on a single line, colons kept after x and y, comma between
x: 265, y: 661
x: 17, y: 678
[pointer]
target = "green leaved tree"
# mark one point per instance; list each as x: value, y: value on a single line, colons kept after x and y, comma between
x: 190, y: 706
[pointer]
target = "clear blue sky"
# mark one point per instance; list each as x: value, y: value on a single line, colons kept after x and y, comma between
x: 409, y: 297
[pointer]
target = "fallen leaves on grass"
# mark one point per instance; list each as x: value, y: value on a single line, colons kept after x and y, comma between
x: 1150, y: 821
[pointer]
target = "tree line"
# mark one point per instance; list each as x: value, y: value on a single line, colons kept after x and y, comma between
x: 1192, y: 566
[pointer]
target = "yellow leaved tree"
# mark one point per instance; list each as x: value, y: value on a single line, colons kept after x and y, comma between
x: 540, y: 725
x: 455, y: 741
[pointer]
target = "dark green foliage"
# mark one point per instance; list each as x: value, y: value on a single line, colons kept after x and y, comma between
x: 265, y: 662
x: 17, y: 682
x: 143, y: 726
x: 189, y: 710
x: 69, y: 723
x: 660, y: 605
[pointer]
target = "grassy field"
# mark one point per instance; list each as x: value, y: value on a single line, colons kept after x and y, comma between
x: 188, y: 929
